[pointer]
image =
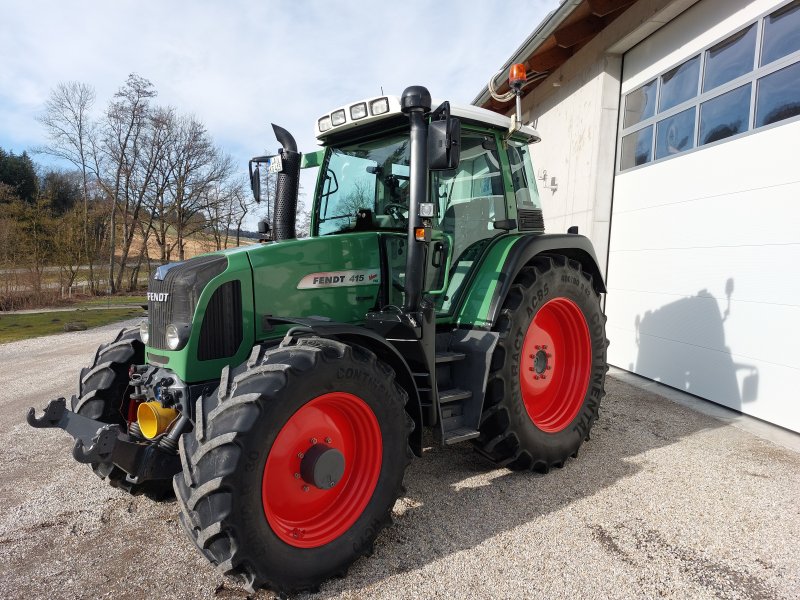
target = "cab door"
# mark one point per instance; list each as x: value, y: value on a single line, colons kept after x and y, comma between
x: 469, y: 200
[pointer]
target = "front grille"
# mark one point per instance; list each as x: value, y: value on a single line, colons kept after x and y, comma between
x: 221, y: 333
x: 184, y: 282
x: 530, y: 219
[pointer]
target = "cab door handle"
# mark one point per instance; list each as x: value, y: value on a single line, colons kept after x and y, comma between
x: 438, y: 253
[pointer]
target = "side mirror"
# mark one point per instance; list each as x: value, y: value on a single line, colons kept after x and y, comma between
x: 274, y: 165
x: 255, y: 181
x: 444, y: 140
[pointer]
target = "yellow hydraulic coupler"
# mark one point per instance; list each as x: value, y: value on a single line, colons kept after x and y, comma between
x: 154, y: 419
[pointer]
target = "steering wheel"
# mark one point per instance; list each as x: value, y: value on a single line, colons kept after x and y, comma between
x: 395, y: 210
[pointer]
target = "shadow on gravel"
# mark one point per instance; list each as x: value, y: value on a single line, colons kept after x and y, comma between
x: 455, y: 500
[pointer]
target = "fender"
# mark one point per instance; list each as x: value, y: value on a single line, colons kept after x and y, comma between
x: 354, y: 334
x: 505, y: 260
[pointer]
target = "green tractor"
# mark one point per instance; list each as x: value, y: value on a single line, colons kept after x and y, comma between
x: 282, y: 388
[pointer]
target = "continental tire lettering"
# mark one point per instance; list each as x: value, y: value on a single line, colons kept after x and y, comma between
x: 363, y: 377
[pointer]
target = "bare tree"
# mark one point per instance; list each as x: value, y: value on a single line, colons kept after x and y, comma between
x: 68, y: 124
x: 131, y: 148
x: 196, y: 165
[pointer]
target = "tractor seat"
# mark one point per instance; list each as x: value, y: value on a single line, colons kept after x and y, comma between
x: 365, y: 220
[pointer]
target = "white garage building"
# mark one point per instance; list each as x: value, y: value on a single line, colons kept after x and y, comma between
x: 671, y: 136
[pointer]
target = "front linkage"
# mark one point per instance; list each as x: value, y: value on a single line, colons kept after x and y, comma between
x: 106, y: 446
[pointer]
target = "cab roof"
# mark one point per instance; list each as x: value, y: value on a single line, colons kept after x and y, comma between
x: 373, y: 110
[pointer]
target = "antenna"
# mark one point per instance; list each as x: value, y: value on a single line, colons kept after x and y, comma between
x: 381, y: 90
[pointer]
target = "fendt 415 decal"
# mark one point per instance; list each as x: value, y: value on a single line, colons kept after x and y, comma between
x: 328, y: 279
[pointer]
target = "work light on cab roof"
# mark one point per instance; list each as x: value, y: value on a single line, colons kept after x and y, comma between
x: 364, y: 111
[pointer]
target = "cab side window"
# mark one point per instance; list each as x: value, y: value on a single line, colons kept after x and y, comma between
x: 471, y: 197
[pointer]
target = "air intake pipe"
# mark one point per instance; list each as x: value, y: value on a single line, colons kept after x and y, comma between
x: 287, y: 187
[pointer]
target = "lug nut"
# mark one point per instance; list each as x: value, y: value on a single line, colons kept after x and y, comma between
x: 327, y: 440
x: 549, y: 355
x: 537, y: 347
x: 531, y: 369
x: 544, y: 347
x: 549, y: 368
x: 536, y: 377
x: 297, y: 475
x: 305, y: 488
x: 300, y: 455
x: 313, y: 441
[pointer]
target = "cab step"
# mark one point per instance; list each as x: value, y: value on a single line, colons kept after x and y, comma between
x: 460, y: 434
x: 454, y: 395
x: 448, y: 357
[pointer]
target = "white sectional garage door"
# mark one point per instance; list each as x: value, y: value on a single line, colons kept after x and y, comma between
x: 704, y: 256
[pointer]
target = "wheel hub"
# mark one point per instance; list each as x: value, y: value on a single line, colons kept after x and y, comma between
x: 540, y: 362
x: 322, y: 466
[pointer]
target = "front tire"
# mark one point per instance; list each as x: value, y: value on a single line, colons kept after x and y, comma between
x: 548, y: 370
x: 295, y: 464
x: 102, y: 390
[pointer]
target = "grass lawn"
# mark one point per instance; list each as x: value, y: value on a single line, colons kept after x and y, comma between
x: 112, y: 300
x: 20, y: 327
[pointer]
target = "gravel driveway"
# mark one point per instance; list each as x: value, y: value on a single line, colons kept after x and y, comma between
x: 662, y: 502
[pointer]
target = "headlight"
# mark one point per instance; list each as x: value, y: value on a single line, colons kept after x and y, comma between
x: 324, y: 124
x: 173, y: 339
x: 144, y: 331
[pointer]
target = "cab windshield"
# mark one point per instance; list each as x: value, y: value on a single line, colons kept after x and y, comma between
x: 364, y: 186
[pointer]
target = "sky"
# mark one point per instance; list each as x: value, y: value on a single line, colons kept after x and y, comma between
x: 239, y: 66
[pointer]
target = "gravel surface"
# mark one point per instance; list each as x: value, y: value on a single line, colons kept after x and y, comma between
x: 662, y: 502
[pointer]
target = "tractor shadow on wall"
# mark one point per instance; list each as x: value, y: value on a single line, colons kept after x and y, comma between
x: 456, y: 500
x: 682, y: 344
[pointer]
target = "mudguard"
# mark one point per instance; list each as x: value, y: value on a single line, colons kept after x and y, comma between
x: 506, y: 259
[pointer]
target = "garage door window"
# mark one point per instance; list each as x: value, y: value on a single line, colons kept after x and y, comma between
x: 636, y: 148
x: 778, y: 96
x: 781, y: 33
x: 725, y: 115
x: 730, y: 58
x: 679, y: 84
x: 675, y: 134
x: 746, y: 81
x: 640, y: 104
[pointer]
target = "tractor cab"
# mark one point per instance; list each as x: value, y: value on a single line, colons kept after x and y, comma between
x: 487, y: 189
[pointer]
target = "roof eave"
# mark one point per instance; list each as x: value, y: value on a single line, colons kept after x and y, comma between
x: 533, y: 41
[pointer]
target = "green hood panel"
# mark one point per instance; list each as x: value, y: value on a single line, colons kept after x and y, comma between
x: 335, y: 276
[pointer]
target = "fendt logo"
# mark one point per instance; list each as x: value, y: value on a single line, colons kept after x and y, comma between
x: 157, y: 296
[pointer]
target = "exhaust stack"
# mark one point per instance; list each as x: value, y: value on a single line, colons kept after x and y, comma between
x: 287, y: 188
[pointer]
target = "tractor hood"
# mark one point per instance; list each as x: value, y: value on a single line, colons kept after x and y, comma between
x: 219, y: 305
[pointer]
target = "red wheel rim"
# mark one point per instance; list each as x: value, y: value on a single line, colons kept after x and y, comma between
x: 300, y: 513
x: 555, y: 365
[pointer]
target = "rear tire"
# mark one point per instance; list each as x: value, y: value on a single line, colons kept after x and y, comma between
x: 548, y: 370
x: 101, y: 396
x: 243, y: 499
